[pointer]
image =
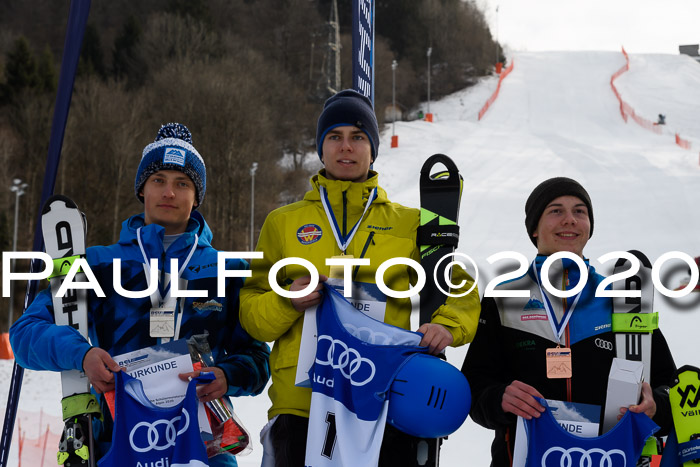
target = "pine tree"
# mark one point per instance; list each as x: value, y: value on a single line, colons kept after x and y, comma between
x: 46, y: 80
x: 126, y: 62
x: 91, y: 56
x: 20, y: 71
x: 195, y: 9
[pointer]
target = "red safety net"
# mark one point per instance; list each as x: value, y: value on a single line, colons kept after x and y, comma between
x: 493, y: 97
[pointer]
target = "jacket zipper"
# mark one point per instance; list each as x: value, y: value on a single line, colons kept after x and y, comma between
x: 162, y: 277
x: 509, y: 447
x: 345, y: 214
x: 362, y: 255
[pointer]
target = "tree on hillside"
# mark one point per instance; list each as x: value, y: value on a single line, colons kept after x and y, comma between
x: 126, y: 62
x: 462, y: 45
x: 195, y: 9
x: 91, y: 55
x: 103, y: 150
x: 46, y: 79
x: 243, y: 76
x: 20, y: 71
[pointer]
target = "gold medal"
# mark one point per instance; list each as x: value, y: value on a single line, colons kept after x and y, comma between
x: 336, y: 271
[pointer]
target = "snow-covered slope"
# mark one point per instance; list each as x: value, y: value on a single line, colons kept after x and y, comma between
x: 556, y: 115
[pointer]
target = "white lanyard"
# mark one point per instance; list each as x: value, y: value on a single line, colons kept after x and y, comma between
x: 343, y: 242
x: 157, y: 300
x: 557, y: 328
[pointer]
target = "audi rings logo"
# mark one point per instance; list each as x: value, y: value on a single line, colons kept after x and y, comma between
x: 368, y: 335
x: 603, y: 344
x: 153, y: 434
x: 577, y: 457
x: 352, y: 365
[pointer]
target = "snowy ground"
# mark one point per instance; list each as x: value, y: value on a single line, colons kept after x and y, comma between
x: 556, y: 116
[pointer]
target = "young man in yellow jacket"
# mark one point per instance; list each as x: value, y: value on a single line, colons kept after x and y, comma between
x: 345, y: 213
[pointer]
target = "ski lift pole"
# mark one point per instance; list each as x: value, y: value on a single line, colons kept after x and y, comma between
x: 77, y: 20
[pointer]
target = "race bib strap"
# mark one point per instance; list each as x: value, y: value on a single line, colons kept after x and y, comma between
x: 635, y: 322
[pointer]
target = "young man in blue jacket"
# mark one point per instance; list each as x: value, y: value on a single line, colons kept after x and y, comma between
x: 171, y: 183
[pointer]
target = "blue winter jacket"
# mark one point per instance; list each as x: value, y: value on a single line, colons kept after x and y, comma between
x: 118, y: 324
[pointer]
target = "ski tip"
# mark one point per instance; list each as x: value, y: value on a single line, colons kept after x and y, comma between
x: 637, y: 254
x: 451, y: 176
x: 53, y: 198
x: 686, y: 368
x: 642, y: 258
x: 439, y: 158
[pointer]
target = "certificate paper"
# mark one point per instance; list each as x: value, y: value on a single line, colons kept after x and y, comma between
x: 158, y: 368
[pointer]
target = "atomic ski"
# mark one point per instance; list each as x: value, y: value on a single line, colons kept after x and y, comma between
x: 64, y: 231
x: 438, y: 235
x: 633, y: 321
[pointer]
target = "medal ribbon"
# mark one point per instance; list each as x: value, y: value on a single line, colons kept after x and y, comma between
x: 558, y: 327
x: 343, y: 242
x: 157, y: 299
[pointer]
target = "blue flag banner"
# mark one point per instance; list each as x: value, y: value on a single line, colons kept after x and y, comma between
x: 363, y: 47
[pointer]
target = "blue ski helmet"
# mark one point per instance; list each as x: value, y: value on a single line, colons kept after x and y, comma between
x: 429, y: 398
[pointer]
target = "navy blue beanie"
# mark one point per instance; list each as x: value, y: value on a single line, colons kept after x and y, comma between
x: 173, y: 150
x: 348, y: 108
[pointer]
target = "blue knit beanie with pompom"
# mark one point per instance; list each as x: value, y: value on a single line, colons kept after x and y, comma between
x: 173, y: 150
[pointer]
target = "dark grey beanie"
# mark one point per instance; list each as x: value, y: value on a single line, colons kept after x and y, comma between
x: 547, y: 191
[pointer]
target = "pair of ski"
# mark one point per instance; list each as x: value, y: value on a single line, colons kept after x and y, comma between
x: 64, y: 230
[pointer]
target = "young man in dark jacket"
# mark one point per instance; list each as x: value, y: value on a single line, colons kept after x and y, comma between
x: 505, y: 364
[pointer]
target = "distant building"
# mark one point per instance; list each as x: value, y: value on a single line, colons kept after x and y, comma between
x: 691, y: 50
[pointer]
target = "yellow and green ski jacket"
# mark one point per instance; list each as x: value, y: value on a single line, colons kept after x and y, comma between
x: 302, y: 229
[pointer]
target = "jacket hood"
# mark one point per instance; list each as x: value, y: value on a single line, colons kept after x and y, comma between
x: 355, y: 191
